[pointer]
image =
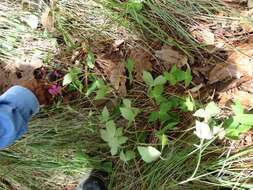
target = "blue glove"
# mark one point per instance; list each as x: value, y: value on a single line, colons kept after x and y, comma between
x: 17, y: 106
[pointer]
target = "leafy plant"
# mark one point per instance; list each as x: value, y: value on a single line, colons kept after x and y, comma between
x: 129, y: 112
x: 209, y: 127
x: 72, y: 79
x: 90, y: 60
x: 100, y: 88
x: 238, y: 123
x: 113, y: 136
x: 177, y: 75
x: 130, y: 69
x: 127, y: 156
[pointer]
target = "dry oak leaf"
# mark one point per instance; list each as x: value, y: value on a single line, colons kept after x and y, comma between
x: 141, y: 60
x: 171, y: 56
x: 47, y: 20
x: 239, y: 63
x: 115, y: 71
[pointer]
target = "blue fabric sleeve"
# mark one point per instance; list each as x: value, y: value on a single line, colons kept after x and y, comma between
x: 17, y: 105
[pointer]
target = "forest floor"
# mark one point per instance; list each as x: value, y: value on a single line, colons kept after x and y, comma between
x: 156, y: 93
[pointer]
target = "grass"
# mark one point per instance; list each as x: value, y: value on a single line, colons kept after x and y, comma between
x: 54, y: 152
x: 168, y: 21
x: 64, y: 143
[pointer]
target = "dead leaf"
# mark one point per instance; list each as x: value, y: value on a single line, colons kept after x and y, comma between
x: 239, y: 63
x: 118, y: 79
x: 142, y: 61
x: 171, y: 56
x: 47, y: 20
x: 204, y: 35
x: 115, y: 72
x: 245, y: 98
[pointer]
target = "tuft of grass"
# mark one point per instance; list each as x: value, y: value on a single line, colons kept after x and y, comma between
x: 167, y: 21
x: 55, y: 151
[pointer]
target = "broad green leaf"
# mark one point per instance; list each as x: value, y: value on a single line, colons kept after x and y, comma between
x: 129, y: 155
x: 171, y: 78
x: 244, y: 128
x: 111, y: 127
x: 160, y: 80
x: 189, y: 104
x: 105, y: 135
x: 154, y: 116
x: 67, y: 79
x: 119, y: 132
x: 130, y: 69
x: 114, y: 150
x: 90, y: 60
x: 134, y: 5
x: 128, y: 114
x: 101, y: 93
x: 127, y: 103
x: 156, y: 91
x: 149, y: 154
x: 148, y: 79
x: 165, y: 107
x: 122, y: 140
x: 164, y: 141
x: 212, y: 109
x: 237, y: 108
x: 246, y: 119
x: 91, y: 89
x: 187, y: 77
x: 105, y: 115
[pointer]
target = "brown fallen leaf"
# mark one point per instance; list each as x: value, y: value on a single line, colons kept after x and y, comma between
x: 171, y: 57
x: 47, y: 20
x: 204, y: 35
x: 115, y: 72
x: 245, y: 98
x: 142, y: 61
x: 238, y: 64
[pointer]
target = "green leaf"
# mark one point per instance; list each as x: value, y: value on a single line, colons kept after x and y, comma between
x: 160, y: 80
x: 111, y: 127
x: 154, y: 116
x: 164, y: 140
x: 148, y: 79
x: 101, y: 93
x: 237, y: 108
x: 67, y: 79
x: 122, y: 140
x: 171, y: 78
x: 246, y: 119
x: 189, y: 105
x: 188, y: 77
x: 149, y: 154
x: 113, y: 136
x: 130, y: 69
x: 90, y: 60
x: 212, y: 109
x: 129, y: 155
x: 128, y: 114
x: 127, y: 103
x: 91, y: 89
x: 134, y: 5
x: 105, y: 115
x: 157, y: 91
